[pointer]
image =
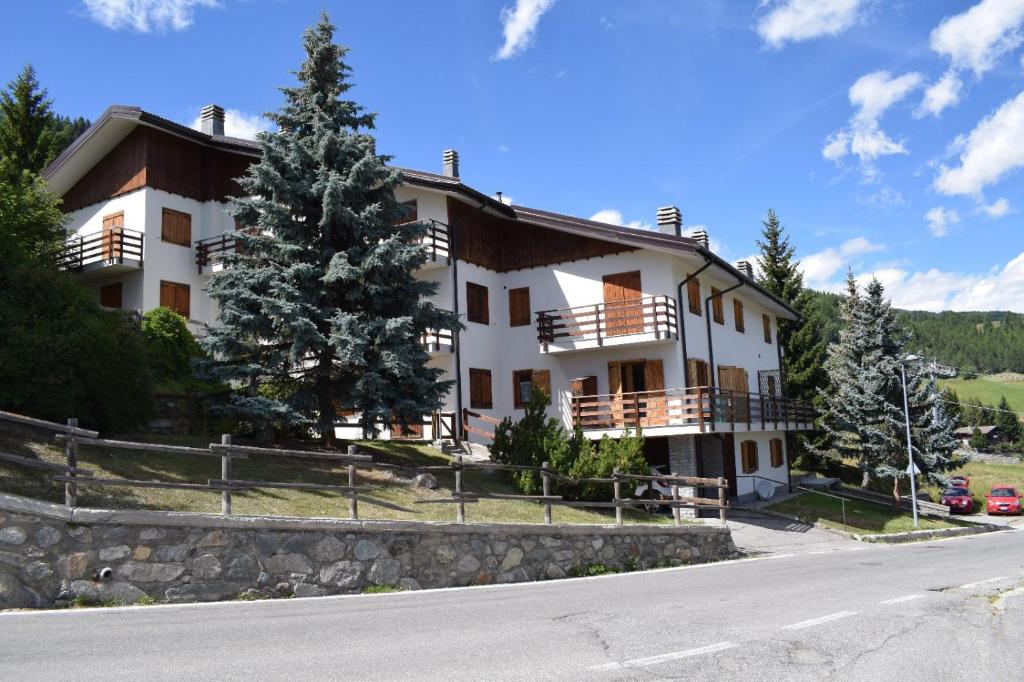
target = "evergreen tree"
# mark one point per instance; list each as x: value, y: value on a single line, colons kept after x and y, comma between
x: 1006, y: 421
x: 320, y: 297
x: 932, y: 428
x: 951, y: 404
x: 28, y: 137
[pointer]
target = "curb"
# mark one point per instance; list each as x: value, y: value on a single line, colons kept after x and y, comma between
x: 921, y: 535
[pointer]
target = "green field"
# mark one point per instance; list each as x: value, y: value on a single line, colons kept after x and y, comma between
x: 861, y: 517
x: 989, y: 388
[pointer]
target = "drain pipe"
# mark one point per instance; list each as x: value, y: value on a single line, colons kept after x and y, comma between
x: 680, y: 315
x: 711, y: 346
x: 452, y: 246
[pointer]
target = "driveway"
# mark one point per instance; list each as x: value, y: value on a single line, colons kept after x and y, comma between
x: 757, y: 535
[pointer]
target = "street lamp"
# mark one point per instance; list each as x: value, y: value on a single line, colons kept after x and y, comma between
x: 911, y: 469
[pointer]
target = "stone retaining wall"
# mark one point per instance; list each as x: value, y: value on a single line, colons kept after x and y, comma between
x: 50, y: 555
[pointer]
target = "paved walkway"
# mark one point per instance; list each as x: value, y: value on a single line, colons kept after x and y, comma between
x: 756, y: 534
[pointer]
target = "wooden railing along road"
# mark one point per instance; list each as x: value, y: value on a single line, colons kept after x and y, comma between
x: 73, y: 476
x: 109, y: 245
x: 648, y: 315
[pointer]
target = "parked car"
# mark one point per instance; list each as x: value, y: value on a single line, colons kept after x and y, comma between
x: 1003, y: 499
x: 958, y: 499
x: 959, y: 482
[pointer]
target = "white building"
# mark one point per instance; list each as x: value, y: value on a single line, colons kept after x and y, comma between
x: 624, y: 328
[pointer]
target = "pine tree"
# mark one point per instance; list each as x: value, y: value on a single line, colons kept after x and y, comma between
x: 932, y: 429
x: 319, y: 307
x: 1007, y: 423
x: 28, y: 138
x: 803, y: 347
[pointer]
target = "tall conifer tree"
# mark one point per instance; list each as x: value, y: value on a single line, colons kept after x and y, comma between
x: 29, y: 138
x: 319, y: 307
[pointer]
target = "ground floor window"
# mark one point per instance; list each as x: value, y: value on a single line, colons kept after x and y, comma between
x: 748, y: 456
x: 176, y: 297
x: 776, y: 448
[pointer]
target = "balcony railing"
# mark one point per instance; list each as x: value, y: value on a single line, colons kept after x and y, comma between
x: 707, y: 408
x: 112, y: 246
x: 207, y: 250
x: 438, y: 341
x: 597, y: 323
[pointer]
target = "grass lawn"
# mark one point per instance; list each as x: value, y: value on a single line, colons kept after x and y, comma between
x: 861, y: 517
x: 989, y: 388
x: 125, y: 464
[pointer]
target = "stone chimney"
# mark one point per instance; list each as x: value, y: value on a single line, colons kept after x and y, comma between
x: 670, y: 221
x: 701, y: 237
x: 450, y: 163
x: 211, y: 120
x: 746, y: 268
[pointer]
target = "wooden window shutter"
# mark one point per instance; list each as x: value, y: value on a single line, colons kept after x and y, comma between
x: 112, y: 295
x: 748, y: 455
x: 776, y: 448
x: 693, y: 295
x: 176, y: 297
x: 716, y: 306
x: 737, y: 311
x: 698, y: 372
x: 767, y: 322
x: 583, y: 386
x: 614, y: 377
x: 480, y: 389
x: 541, y: 379
x: 519, y: 307
x: 176, y: 227
x: 477, y: 308
x: 654, y: 375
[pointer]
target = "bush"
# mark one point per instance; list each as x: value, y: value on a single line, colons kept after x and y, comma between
x: 170, y: 349
x: 977, y: 440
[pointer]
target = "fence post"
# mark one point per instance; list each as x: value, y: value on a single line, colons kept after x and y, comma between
x: 617, y: 488
x: 676, y: 511
x: 722, y: 501
x: 461, y: 506
x: 546, y: 487
x: 71, y: 450
x: 225, y: 474
x: 353, y: 499
x: 844, y: 515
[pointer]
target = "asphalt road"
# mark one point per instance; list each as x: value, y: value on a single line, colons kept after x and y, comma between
x: 944, y: 610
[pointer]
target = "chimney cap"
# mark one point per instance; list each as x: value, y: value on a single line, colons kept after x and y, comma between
x: 211, y: 119
x: 450, y: 163
x: 746, y: 268
x: 701, y: 237
x: 669, y: 215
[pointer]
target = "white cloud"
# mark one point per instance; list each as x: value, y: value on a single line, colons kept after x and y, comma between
x: 998, y: 208
x: 519, y: 24
x: 871, y: 95
x: 943, y: 93
x: 940, y: 218
x: 858, y: 246
x: 504, y: 199
x: 820, y: 267
x: 240, y: 124
x: 887, y: 197
x: 798, y: 20
x: 145, y: 15
x: 614, y: 217
x: 989, y: 152
x: 977, y: 38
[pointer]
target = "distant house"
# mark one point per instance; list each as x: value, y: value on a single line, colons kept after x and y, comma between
x: 964, y: 433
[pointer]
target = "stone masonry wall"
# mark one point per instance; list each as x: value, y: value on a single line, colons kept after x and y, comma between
x: 50, y: 555
x: 682, y: 460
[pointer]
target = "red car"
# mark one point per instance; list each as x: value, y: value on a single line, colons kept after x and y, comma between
x: 1003, y: 499
x: 958, y: 500
x: 960, y: 482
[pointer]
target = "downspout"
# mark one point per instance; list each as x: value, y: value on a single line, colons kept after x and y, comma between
x: 711, y: 346
x: 682, y: 321
x: 452, y: 246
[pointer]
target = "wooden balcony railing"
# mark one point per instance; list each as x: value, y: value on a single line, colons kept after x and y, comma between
x: 438, y: 241
x: 438, y: 340
x: 647, y: 315
x: 111, y: 246
x: 207, y: 249
x: 703, y: 407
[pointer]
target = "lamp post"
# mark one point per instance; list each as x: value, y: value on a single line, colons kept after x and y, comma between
x: 911, y: 469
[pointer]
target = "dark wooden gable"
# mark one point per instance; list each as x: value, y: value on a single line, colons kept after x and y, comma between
x: 501, y: 244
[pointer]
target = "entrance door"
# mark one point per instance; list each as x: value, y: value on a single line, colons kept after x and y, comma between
x: 729, y: 461
x: 622, y: 310
x: 734, y: 386
x: 112, y: 229
x: 637, y: 392
x: 583, y: 411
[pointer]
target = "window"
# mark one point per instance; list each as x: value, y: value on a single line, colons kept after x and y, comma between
x: 716, y: 306
x: 409, y: 212
x: 737, y: 312
x: 698, y: 372
x: 523, y: 383
x: 176, y: 227
x: 519, y: 307
x: 111, y: 295
x: 776, y: 448
x: 176, y: 297
x: 477, y: 309
x: 767, y: 322
x: 480, y: 389
x: 748, y: 456
x: 693, y: 295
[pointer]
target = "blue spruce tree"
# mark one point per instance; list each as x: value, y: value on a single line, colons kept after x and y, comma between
x: 319, y: 307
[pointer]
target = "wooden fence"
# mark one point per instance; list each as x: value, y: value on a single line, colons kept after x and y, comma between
x: 73, y: 476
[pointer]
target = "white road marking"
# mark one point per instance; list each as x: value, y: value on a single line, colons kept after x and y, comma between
x: 984, y: 582
x: 819, y: 621
x: 900, y: 600
x: 664, y: 658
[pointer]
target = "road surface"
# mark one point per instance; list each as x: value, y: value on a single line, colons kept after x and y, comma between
x: 943, y: 610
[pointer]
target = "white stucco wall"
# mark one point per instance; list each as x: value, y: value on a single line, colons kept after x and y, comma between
x: 747, y: 486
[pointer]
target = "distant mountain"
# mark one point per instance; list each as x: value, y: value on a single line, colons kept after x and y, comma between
x: 986, y: 342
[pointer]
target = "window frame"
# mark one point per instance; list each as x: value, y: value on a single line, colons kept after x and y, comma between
x: 188, y: 297
x: 166, y: 212
x: 717, y: 307
x: 519, y: 321
x: 476, y: 401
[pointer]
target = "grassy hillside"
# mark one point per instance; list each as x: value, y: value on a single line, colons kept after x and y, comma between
x: 989, y: 388
x: 124, y: 464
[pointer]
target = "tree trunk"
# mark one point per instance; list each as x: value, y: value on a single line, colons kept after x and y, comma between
x: 325, y: 402
x: 865, y: 475
x: 896, y: 492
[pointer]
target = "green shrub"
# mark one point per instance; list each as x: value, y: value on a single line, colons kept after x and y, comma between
x: 170, y: 349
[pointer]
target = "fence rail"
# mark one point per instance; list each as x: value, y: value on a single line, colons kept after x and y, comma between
x: 107, y: 246
x: 597, y: 322
x: 73, y: 476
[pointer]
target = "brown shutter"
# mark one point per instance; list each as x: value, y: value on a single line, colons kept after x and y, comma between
x: 737, y: 311
x: 477, y: 308
x: 519, y: 307
x: 176, y: 297
x: 776, y: 448
x: 112, y: 295
x: 767, y: 321
x: 614, y: 377
x: 541, y: 379
x: 480, y: 388
x: 176, y: 227
x: 748, y: 455
x: 485, y: 389
x: 716, y: 306
x: 654, y: 379
x: 654, y: 375
x: 693, y: 295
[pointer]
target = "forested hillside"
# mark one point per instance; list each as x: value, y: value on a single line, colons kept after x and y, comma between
x: 984, y: 342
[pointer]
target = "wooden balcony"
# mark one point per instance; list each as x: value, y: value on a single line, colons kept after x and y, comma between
x: 650, y: 319
x: 438, y: 341
x: 438, y: 243
x: 112, y: 249
x: 690, y: 410
x: 209, y: 250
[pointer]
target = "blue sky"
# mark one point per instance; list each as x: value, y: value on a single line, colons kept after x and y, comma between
x: 889, y: 136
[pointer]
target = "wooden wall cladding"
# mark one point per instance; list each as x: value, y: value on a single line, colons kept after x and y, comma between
x: 501, y: 244
x: 152, y: 158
